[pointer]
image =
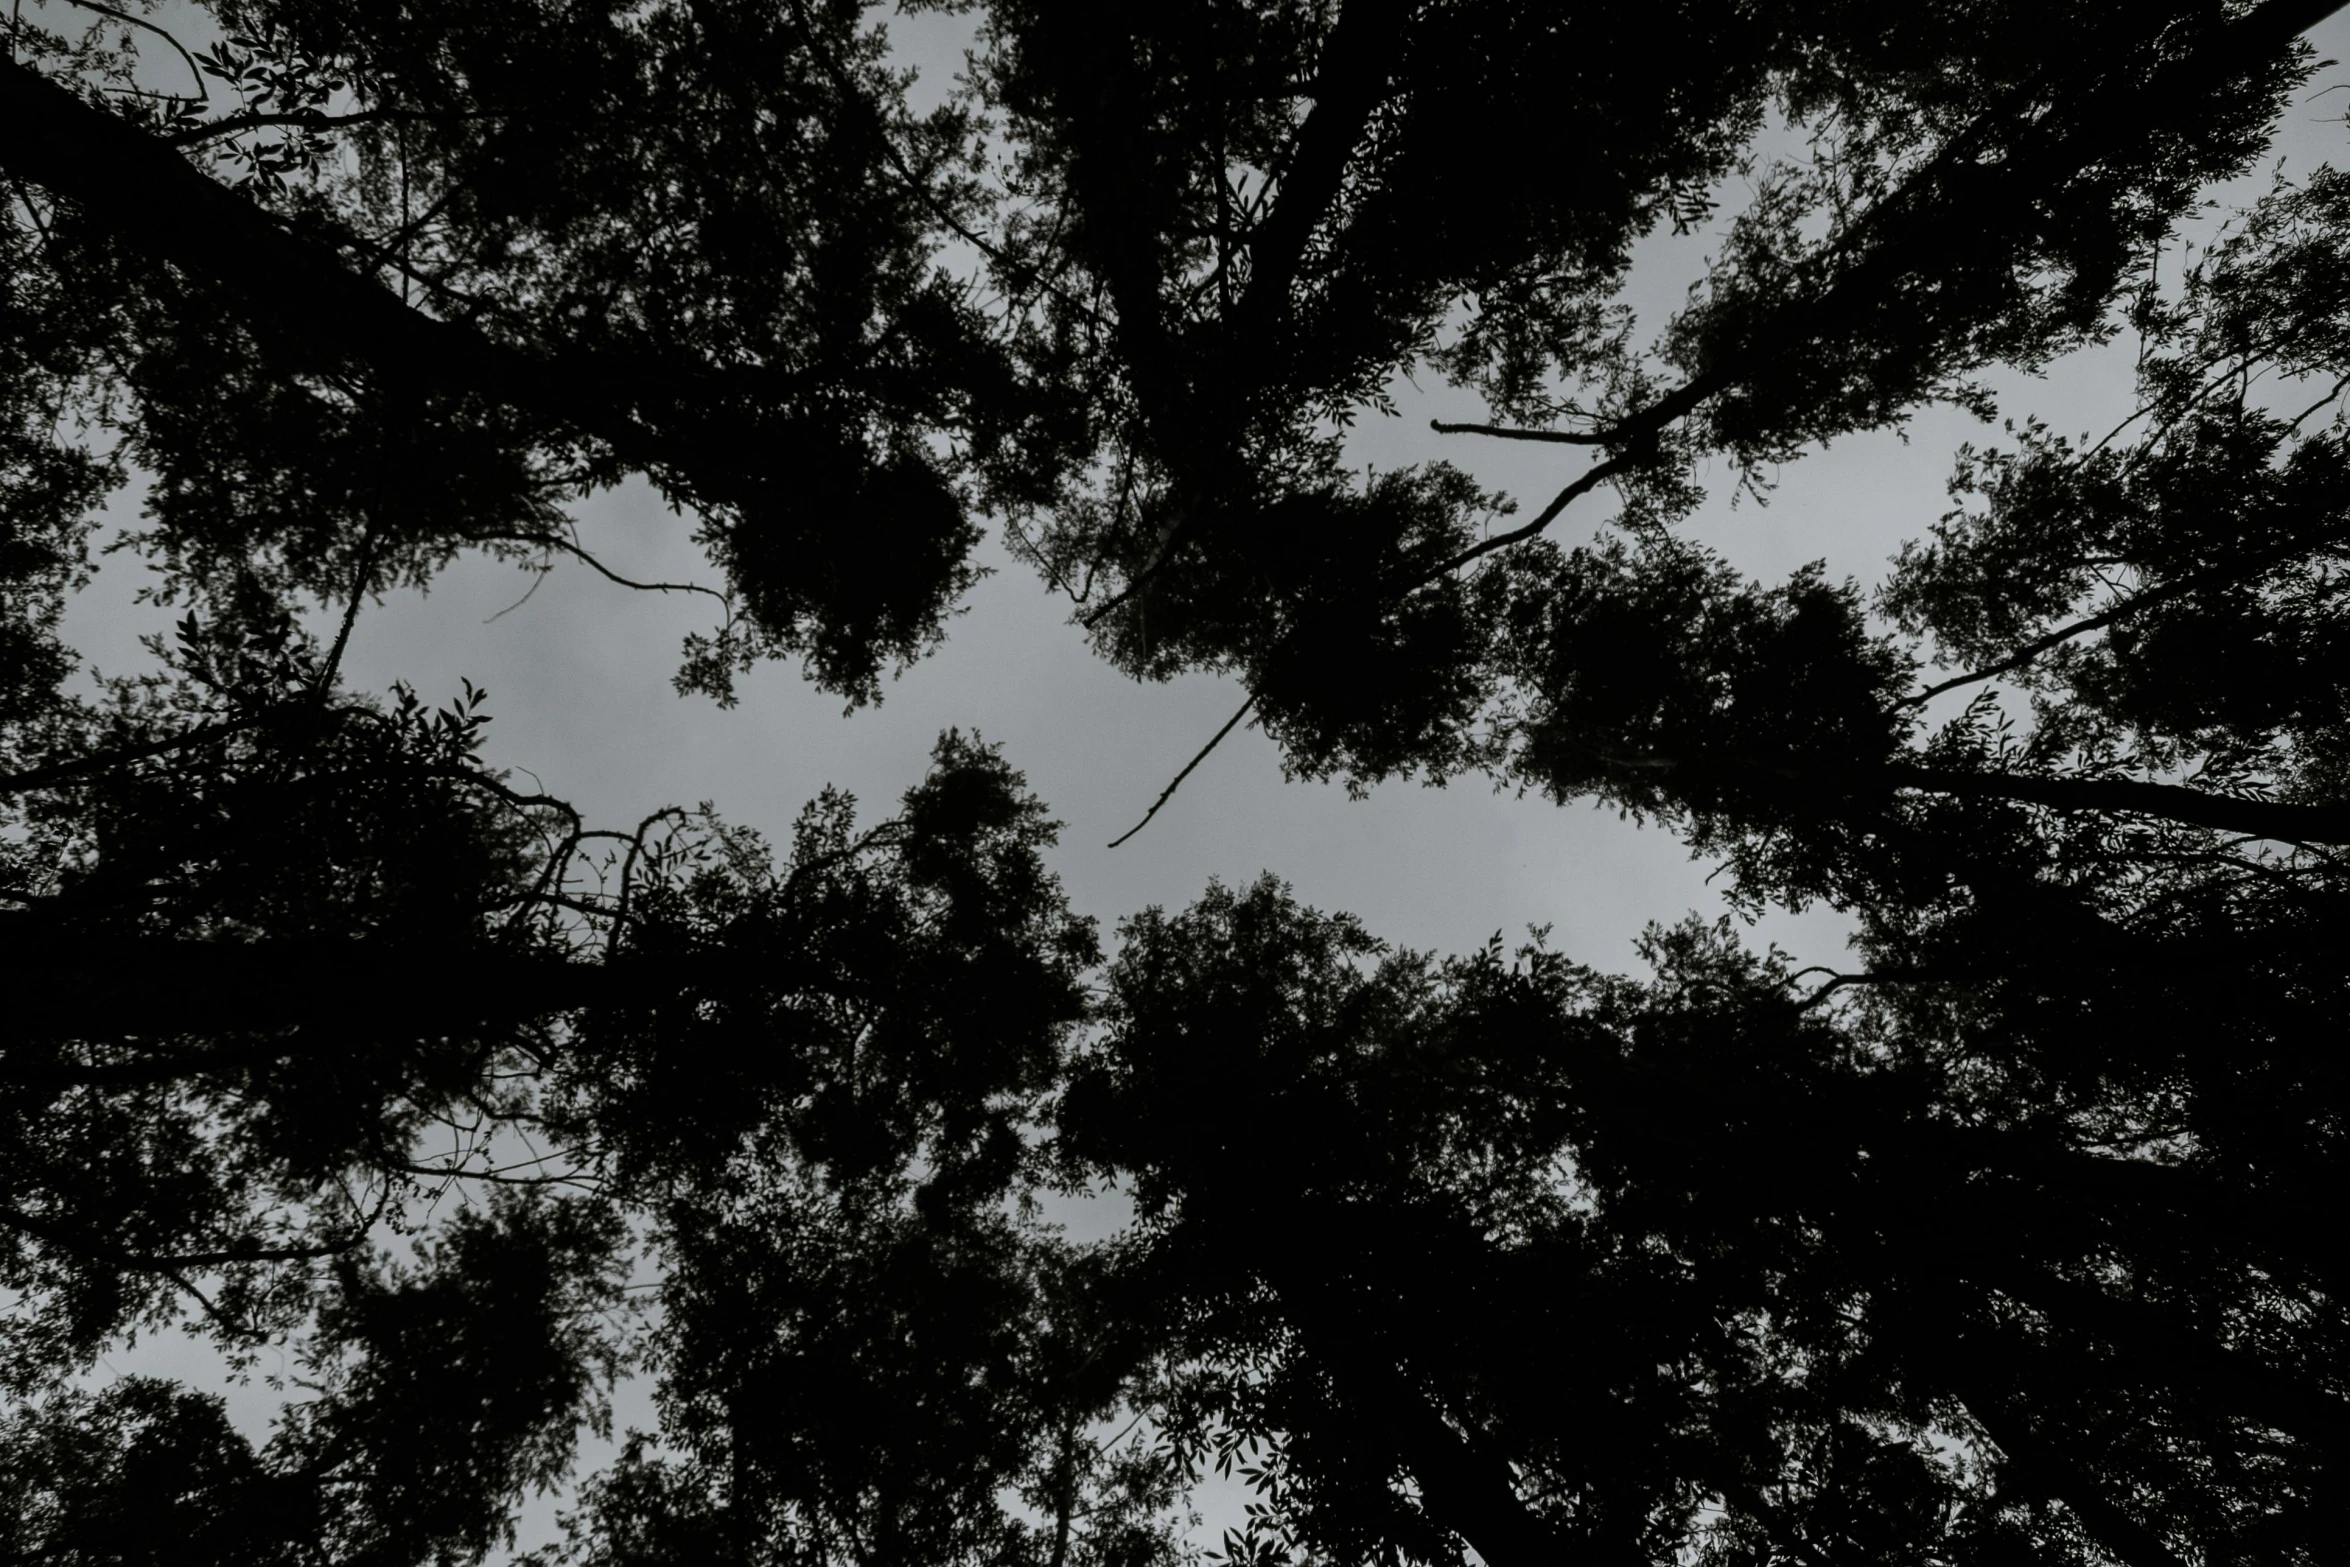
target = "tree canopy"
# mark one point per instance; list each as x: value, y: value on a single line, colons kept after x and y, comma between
x: 328, y: 1040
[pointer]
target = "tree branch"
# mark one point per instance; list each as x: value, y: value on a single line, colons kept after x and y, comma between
x: 1590, y: 479
x: 1168, y: 793
x: 1508, y: 433
x: 2243, y: 571
x: 81, y: 767
x: 138, y: 187
x: 65, y: 984
x: 2273, y: 820
x: 2107, y: 1523
x: 1349, y: 84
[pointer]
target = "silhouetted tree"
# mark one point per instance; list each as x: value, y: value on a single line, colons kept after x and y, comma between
x: 282, y: 985
x: 1512, y: 1254
x: 2009, y: 1245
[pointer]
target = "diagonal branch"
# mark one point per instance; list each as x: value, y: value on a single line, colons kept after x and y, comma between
x: 1906, y: 234
x: 2243, y: 571
x: 82, y: 767
x: 1584, y: 483
x: 1830, y: 786
x: 2044, y: 1464
x: 1168, y: 793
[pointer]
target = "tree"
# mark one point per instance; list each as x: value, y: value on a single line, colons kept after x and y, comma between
x: 288, y: 980
x: 2008, y: 1245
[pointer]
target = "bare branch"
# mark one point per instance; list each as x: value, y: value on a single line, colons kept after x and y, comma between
x: 1506, y: 433
x: 1168, y: 793
x: 1590, y: 479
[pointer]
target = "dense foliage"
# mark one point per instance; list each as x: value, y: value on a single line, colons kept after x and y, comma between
x: 329, y: 1042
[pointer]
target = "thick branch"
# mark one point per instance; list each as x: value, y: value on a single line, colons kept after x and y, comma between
x: 138, y: 188
x: 1348, y: 86
x: 1470, y: 1491
x: 1108, y: 181
x: 2270, y: 819
x: 2163, y: 1355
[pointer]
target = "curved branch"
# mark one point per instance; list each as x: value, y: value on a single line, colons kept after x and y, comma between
x: 1590, y: 479
x: 579, y: 552
x: 1837, y: 981
x: 203, y: 93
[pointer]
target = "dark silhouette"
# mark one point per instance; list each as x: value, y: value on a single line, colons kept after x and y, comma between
x: 2011, y: 1244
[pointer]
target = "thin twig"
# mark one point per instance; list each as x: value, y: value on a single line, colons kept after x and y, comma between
x: 556, y: 542
x: 203, y: 94
x: 538, y: 579
x: 1168, y: 793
